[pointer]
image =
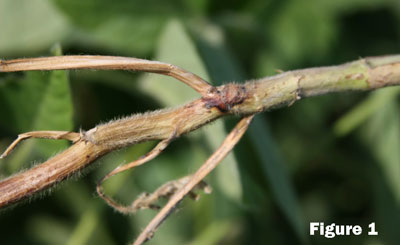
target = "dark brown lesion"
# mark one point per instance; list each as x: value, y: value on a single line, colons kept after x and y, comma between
x: 226, y: 96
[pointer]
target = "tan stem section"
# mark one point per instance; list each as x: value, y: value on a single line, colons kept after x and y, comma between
x: 24, y: 184
x: 101, y: 140
x: 105, y: 63
x: 156, y: 125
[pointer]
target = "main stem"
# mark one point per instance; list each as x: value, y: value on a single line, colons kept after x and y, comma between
x: 240, y: 99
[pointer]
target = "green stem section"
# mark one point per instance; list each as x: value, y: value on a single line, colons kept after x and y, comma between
x: 288, y: 87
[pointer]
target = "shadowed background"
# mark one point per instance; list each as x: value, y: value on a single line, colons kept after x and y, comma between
x: 331, y: 159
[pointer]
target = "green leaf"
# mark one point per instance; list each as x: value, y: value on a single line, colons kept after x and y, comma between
x: 387, y: 209
x: 131, y: 27
x: 37, y: 101
x: 381, y: 133
x: 300, y: 29
x: 275, y: 173
x: 15, y: 92
x: 25, y: 26
x: 383, y: 136
x: 364, y: 110
x: 55, y: 110
x: 289, y: 37
x: 214, y: 233
x: 89, y: 222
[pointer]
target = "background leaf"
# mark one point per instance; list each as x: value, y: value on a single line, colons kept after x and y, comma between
x: 360, y: 113
x: 383, y: 138
x: 24, y: 26
x: 291, y: 168
x: 49, y: 107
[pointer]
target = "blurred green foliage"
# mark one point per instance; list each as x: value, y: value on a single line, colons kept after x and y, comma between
x: 332, y: 159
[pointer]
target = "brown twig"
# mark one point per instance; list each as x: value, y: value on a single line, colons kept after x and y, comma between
x: 241, y: 99
x: 228, y: 144
x: 106, y: 63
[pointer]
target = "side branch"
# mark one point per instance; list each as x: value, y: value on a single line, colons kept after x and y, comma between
x: 71, y: 136
x: 230, y: 141
x: 106, y: 63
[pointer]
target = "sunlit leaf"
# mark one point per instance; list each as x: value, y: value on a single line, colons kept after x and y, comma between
x: 363, y: 111
x: 25, y: 26
x: 88, y: 222
x: 383, y: 136
x: 128, y: 26
x: 213, y: 233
